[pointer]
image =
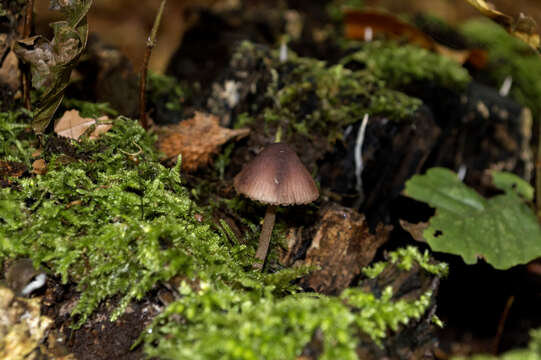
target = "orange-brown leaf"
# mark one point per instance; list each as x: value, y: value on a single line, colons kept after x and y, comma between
x: 196, y: 139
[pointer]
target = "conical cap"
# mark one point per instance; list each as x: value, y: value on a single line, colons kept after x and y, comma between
x: 277, y: 176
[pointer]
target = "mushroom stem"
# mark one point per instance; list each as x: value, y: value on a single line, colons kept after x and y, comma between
x: 265, y: 236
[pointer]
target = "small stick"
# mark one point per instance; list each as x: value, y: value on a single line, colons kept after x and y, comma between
x: 538, y: 175
x: 501, y: 324
x: 26, y: 75
x: 151, y: 41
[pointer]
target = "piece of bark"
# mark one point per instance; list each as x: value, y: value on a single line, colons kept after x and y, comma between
x: 342, y: 245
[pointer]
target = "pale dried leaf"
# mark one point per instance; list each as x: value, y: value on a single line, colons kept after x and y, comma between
x: 196, y: 140
x: 72, y: 125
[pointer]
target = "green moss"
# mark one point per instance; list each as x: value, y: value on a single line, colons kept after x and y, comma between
x: 307, y: 97
x: 16, y: 140
x: 166, y: 89
x: 399, y: 65
x: 117, y: 227
x: 405, y: 258
x: 533, y: 352
x: 218, y: 323
x: 508, y: 56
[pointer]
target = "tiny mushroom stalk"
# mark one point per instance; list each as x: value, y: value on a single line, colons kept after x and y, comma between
x: 275, y: 177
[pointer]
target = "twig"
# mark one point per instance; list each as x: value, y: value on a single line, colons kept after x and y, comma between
x: 26, y: 75
x: 538, y: 173
x: 151, y: 41
x: 501, y: 324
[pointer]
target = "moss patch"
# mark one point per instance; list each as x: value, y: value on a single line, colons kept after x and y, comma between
x: 398, y: 65
x: 220, y: 323
x: 115, y: 226
x: 310, y: 99
x: 405, y: 258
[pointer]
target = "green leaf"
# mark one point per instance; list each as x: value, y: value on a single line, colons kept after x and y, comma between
x: 51, y: 62
x: 510, y: 182
x: 503, y: 230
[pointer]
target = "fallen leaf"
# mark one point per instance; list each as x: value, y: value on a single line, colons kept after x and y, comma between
x: 9, y: 72
x: 39, y: 167
x: 415, y: 230
x: 522, y: 27
x: 196, y: 140
x: 72, y: 125
x: 51, y: 62
x: 342, y: 245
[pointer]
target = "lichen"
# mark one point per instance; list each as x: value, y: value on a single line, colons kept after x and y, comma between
x: 508, y: 56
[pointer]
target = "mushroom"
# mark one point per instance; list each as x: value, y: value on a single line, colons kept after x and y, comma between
x: 275, y: 177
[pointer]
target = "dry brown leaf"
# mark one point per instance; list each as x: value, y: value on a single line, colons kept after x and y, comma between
x: 522, y: 27
x: 196, y: 140
x: 9, y: 72
x: 72, y: 125
x: 415, y: 230
x: 39, y: 167
x: 357, y: 22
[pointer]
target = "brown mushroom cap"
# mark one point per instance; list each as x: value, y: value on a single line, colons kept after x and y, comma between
x: 277, y: 176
